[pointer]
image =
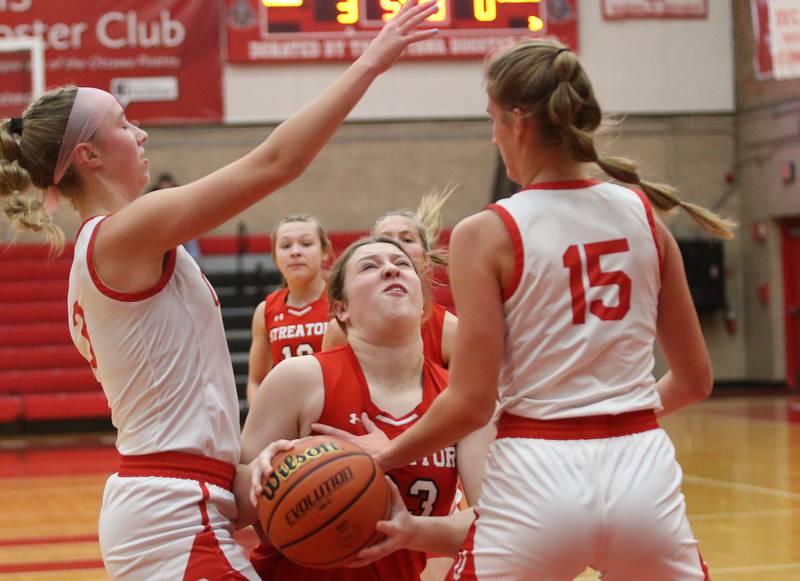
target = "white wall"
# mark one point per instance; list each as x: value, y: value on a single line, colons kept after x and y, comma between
x: 660, y: 66
x: 638, y: 66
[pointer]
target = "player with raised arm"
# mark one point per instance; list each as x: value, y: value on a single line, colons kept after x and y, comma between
x: 143, y: 315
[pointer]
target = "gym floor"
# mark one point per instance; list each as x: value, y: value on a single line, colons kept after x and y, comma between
x: 740, y: 454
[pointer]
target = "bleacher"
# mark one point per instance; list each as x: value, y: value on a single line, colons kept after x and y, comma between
x: 43, y: 378
x: 42, y: 375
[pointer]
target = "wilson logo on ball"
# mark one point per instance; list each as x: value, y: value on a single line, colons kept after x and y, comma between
x: 291, y: 463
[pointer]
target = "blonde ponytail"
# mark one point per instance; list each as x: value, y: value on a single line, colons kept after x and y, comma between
x: 28, y: 153
x: 26, y: 213
x: 665, y: 197
x: 547, y: 81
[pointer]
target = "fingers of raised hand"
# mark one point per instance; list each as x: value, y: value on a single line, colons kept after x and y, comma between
x: 415, y: 16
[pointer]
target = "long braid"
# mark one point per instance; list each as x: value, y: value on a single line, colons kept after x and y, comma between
x: 547, y: 80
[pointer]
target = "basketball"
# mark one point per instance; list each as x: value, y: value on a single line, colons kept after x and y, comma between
x: 320, y: 505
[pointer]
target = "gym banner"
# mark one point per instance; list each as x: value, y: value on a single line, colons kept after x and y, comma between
x: 762, y: 57
x: 619, y: 9
x: 340, y: 30
x: 160, y: 58
x: 784, y: 28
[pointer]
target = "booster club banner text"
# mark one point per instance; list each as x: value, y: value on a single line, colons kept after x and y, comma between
x: 160, y: 58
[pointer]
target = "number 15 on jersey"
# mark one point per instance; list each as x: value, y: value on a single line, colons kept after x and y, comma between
x: 573, y: 261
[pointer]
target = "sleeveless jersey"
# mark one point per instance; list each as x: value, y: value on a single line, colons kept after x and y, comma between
x: 432, y: 334
x: 581, y: 311
x: 428, y: 486
x: 160, y: 355
x: 294, y: 331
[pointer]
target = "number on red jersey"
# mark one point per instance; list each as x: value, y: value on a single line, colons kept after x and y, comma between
x: 302, y: 349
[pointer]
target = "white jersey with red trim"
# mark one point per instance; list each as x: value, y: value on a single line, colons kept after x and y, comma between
x: 581, y: 311
x: 160, y: 355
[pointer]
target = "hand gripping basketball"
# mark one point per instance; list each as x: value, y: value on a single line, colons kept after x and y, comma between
x: 397, y: 531
x: 320, y: 500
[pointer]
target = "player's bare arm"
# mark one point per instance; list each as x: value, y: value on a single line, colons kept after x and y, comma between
x: 187, y: 211
x: 690, y: 377
x: 476, y: 273
x: 288, y: 400
x: 448, y: 337
x: 260, y: 358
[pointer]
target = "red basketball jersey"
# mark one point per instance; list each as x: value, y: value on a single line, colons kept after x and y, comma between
x: 432, y: 334
x: 428, y: 486
x: 294, y: 331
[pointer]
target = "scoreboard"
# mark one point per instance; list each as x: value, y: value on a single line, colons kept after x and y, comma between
x: 320, y: 30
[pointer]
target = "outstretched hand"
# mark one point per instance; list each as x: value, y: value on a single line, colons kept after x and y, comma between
x: 373, y: 442
x: 398, y: 33
x: 398, y: 531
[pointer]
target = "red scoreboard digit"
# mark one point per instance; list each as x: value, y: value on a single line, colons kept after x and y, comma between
x: 313, y: 30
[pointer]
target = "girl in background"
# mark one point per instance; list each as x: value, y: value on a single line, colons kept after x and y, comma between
x: 291, y: 321
x: 418, y: 233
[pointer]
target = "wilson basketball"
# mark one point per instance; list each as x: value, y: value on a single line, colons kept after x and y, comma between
x: 320, y: 505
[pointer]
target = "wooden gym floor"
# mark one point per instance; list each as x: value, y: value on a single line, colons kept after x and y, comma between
x: 740, y: 455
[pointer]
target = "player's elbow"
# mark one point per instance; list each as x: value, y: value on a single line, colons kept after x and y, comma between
x: 477, y: 414
x: 705, y: 383
x: 699, y: 382
x: 281, y: 167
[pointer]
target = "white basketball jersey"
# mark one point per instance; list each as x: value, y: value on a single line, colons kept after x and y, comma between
x: 581, y: 313
x: 160, y: 355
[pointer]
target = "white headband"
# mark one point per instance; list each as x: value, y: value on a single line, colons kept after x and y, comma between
x: 88, y: 110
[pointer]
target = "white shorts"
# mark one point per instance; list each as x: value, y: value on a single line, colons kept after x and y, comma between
x: 170, y: 527
x: 550, y: 508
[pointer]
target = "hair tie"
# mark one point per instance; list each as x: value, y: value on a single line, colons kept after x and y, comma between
x: 16, y: 125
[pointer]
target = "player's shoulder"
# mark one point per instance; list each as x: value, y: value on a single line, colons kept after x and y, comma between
x: 299, y: 371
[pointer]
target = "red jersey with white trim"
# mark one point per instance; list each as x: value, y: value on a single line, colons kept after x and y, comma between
x: 432, y: 330
x: 581, y: 312
x: 294, y: 331
x: 428, y: 486
x: 160, y: 355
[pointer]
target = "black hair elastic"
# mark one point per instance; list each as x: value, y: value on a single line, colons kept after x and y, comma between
x: 16, y: 126
x: 559, y: 51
